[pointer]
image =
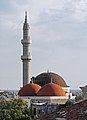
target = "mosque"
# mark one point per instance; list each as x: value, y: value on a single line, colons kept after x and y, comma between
x: 46, y: 89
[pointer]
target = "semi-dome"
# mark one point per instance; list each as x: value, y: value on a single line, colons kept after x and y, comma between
x: 45, y: 78
x: 51, y: 89
x: 29, y: 90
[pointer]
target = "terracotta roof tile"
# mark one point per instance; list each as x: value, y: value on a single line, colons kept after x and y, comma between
x: 77, y: 111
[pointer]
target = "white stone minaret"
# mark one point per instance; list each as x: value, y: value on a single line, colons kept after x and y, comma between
x: 26, y: 52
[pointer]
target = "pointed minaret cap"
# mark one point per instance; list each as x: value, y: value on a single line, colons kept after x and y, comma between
x: 26, y: 25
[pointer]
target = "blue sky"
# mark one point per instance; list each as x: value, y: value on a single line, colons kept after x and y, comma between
x: 59, y: 40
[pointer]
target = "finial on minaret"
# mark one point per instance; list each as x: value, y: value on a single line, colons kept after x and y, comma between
x: 26, y: 16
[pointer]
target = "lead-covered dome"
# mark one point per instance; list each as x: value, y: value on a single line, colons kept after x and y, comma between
x: 45, y: 78
x: 51, y: 89
x: 29, y: 90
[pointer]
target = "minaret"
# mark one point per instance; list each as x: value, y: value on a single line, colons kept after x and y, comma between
x: 26, y: 52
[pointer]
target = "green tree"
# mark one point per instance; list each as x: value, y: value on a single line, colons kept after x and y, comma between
x: 79, y: 97
x: 15, y: 109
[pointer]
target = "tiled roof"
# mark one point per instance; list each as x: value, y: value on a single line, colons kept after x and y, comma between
x: 77, y: 111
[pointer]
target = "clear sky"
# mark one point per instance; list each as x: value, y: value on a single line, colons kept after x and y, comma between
x: 59, y: 40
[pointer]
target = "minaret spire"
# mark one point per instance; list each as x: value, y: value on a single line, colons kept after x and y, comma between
x: 25, y: 16
x: 26, y: 52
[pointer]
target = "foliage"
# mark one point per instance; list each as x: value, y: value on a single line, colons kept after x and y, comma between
x: 79, y: 97
x: 15, y: 109
x: 68, y: 103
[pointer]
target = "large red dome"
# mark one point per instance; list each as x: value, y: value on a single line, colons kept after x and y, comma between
x: 51, y: 89
x: 29, y: 90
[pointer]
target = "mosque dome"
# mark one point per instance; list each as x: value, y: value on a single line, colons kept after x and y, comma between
x: 45, y: 78
x: 29, y: 90
x: 51, y: 89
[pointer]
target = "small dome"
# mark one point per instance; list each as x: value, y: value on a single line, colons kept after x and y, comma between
x: 29, y: 90
x: 51, y: 89
x: 45, y: 78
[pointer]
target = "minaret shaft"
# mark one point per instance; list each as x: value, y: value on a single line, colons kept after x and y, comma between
x: 26, y: 52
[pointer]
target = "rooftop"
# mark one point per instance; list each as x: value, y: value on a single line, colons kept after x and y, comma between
x: 77, y: 111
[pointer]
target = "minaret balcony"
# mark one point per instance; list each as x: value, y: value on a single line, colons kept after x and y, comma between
x: 25, y: 57
x: 25, y: 41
